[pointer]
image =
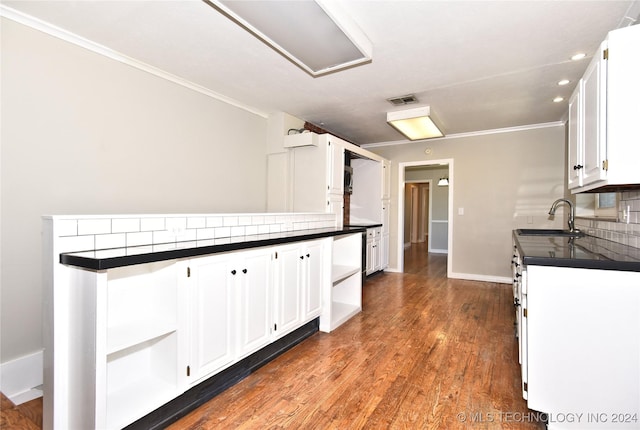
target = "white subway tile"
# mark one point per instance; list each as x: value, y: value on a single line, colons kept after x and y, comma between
x: 175, y: 224
x: 76, y: 243
x: 125, y: 225
x: 257, y: 219
x: 215, y: 221
x: 196, y: 222
x: 188, y: 234
x: 151, y: 224
x: 264, y: 229
x: 244, y: 220
x: 94, y: 226
x: 205, y: 233
x: 237, y: 231
x: 106, y: 241
x: 230, y: 221
x: 139, y: 238
x: 222, y: 232
x: 163, y: 236
x: 275, y: 228
x: 269, y: 219
x: 67, y: 227
x: 251, y: 230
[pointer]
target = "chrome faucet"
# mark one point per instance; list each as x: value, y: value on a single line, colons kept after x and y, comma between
x: 572, y: 212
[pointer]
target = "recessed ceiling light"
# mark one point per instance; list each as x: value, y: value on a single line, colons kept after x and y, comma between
x: 578, y: 56
x: 558, y: 99
x: 563, y: 82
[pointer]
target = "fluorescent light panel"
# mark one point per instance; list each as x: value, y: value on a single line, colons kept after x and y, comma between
x: 315, y: 35
x: 415, y: 123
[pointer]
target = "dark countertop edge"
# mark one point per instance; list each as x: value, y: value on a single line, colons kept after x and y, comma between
x: 622, y: 266
x: 91, y: 263
x: 363, y: 225
x: 575, y: 263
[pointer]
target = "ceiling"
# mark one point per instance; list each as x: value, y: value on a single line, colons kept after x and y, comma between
x: 480, y: 65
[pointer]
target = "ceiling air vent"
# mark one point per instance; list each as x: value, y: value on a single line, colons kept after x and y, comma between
x: 403, y: 100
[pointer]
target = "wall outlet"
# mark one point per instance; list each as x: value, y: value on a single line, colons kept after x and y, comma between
x: 460, y: 211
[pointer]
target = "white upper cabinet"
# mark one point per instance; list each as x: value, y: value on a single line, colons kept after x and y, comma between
x: 317, y: 174
x: 603, y: 110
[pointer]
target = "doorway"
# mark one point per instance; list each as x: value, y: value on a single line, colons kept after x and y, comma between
x: 424, y: 213
x: 417, y: 212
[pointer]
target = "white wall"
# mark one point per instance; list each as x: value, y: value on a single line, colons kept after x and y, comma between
x: 84, y: 134
x: 502, y: 181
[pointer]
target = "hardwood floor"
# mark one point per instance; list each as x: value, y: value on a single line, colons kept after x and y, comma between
x: 426, y: 353
x: 27, y: 416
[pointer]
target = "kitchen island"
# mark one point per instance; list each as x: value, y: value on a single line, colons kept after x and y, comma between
x: 139, y: 335
x: 577, y: 302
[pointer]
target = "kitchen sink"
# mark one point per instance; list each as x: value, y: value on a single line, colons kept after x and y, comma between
x: 548, y: 232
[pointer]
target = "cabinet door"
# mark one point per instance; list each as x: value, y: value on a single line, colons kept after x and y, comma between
x: 211, y: 315
x: 594, y: 124
x: 313, y: 279
x: 575, y: 139
x: 335, y: 166
x: 252, y: 275
x: 386, y: 179
x: 309, y: 184
x: 288, y: 292
x: 370, y: 255
x: 335, y: 205
x: 384, y: 245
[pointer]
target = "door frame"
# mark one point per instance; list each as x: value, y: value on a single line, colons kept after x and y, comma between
x: 401, y: 201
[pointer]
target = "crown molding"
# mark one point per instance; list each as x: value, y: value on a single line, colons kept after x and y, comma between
x: 469, y: 134
x: 67, y: 36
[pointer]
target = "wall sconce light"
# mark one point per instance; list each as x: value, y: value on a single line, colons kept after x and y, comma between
x: 443, y: 182
x: 317, y: 36
x: 415, y: 124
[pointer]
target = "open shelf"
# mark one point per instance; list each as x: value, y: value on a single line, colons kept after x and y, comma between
x: 140, y: 379
x: 340, y: 273
x: 124, y: 336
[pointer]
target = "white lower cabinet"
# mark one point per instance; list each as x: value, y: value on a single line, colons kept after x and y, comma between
x: 241, y: 301
x: 298, y: 282
x: 581, y: 346
x: 141, y: 335
x: 375, y: 251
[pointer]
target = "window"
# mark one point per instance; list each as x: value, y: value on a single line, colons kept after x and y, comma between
x: 606, y: 205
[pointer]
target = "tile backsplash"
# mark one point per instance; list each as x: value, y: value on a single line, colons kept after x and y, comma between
x: 85, y: 233
x: 626, y: 230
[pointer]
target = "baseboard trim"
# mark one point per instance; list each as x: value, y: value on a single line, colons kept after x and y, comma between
x: 21, y: 379
x: 483, y: 278
x: 438, y: 251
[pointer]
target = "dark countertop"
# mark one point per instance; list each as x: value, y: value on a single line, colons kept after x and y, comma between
x: 363, y: 225
x: 119, y: 257
x: 586, y: 252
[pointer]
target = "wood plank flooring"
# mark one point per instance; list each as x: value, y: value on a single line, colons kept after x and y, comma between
x: 27, y: 416
x: 426, y: 353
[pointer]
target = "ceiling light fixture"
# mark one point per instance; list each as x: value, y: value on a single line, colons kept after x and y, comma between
x: 443, y: 182
x: 415, y: 124
x: 558, y: 99
x: 563, y: 82
x: 315, y: 35
x: 578, y: 56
